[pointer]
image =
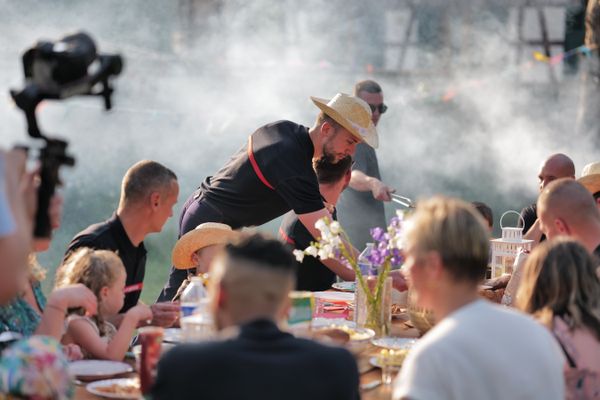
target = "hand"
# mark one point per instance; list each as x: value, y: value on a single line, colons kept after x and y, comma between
x: 398, y: 280
x: 74, y: 296
x: 141, y: 312
x: 381, y: 191
x: 165, y: 314
x: 55, y: 213
x: 72, y: 352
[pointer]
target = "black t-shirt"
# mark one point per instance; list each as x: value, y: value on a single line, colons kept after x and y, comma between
x: 283, y: 152
x: 597, y: 253
x: 110, y: 235
x: 311, y: 273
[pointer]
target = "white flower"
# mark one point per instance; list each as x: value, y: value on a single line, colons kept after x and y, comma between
x: 326, y: 236
x: 321, y: 225
x: 299, y: 255
x: 311, y: 251
x: 400, y: 214
x: 326, y: 252
x: 335, y: 241
x: 335, y: 228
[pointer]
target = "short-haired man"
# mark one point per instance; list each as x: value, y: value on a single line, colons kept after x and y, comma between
x: 554, y: 167
x: 273, y: 174
x: 567, y: 208
x: 312, y: 274
x: 360, y: 206
x: 149, y: 191
x: 477, y: 350
x: 249, y: 290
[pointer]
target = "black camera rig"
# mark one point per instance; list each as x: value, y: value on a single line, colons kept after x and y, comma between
x: 56, y: 71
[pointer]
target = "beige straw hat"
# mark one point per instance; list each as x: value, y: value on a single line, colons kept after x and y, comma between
x: 206, y: 234
x: 590, y: 177
x: 352, y: 113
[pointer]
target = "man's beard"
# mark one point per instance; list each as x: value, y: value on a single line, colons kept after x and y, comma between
x: 328, y: 154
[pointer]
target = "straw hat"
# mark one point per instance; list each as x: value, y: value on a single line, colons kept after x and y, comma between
x: 590, y: 177
x: 352, y: 113
x: 206, y: 234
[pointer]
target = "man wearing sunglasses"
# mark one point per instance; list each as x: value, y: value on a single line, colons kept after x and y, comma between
x: 361, y: 207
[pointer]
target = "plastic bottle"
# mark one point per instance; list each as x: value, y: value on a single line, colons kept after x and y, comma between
x: 192, y: 297
x: 366, y: 268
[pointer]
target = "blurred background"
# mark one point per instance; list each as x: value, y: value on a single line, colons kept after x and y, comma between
x: 472, y: 113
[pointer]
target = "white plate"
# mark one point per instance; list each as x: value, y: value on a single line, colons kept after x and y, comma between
x: 334, y: 296
x: 344, y: 286
x: 95, y: 386
x: 374, y: 362
x: 88, y: 370
x: 395, y: 343
x: 172, y: 335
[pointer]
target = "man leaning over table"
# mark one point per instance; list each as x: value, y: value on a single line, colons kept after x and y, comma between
x: 477, y: 350
x: 272, y: 174
x: 249, y: 290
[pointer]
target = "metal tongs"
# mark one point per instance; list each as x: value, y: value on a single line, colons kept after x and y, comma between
x: 405, y: 201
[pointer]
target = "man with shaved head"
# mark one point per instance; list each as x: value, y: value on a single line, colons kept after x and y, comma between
x: 554, y: 167
x: 566, y: 207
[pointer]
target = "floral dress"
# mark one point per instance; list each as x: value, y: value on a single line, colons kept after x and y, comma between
x: 19, y: 316
x: 35, y: 368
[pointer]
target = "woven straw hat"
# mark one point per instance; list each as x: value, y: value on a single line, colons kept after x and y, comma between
x: 352, y: 113
x: 590, y: 177
x: 206, y: 234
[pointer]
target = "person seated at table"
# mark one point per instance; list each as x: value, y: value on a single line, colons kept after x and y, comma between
x: 30, y: 312
x: 312, y: 273
x: 561, y: 289
x: 34, y: 367
x: 102, y: 271
x: 249, y: 288
x: 195, y: 250
x: 477, y: 350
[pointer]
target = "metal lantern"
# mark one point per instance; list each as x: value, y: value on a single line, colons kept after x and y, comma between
x: 506, y: 248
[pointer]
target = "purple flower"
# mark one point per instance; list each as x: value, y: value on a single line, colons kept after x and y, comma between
x: 377, y: 233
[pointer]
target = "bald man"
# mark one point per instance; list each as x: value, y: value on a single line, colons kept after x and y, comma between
x: 554, y: 167
x: 566, y: 208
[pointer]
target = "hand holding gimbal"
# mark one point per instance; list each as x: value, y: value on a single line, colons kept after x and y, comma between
x: 56, y: 71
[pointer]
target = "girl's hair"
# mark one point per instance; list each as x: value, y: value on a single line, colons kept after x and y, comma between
x: 93, y: 268
x: 560, y: 280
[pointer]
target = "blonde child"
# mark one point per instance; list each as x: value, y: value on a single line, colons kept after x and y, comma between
x: 104, y: 274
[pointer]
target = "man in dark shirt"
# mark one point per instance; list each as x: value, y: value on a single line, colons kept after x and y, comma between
x: 250, y: 284
x: 273, y: 174
x: 148, y: 193
x: 333, y: 179
x: 361, y: 205
x: 566, y: 207
x: 555, y: 167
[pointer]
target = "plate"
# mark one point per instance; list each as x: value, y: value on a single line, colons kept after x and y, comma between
x: 344, y: 286
x: 172, y: 335
x: 98, y: 386
x: 334, y: 296
x: 90, y: 370
x: 395, y: 343
x: 374, y: 362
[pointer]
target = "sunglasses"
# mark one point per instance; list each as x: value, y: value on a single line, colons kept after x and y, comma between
x: 382, y: 108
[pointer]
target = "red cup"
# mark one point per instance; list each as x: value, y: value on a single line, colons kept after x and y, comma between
x: 150, y: 338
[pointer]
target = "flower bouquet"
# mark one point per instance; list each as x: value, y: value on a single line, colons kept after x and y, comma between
x: 371, y: 290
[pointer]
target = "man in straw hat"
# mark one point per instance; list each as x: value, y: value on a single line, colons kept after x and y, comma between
x: 195, y: 250
x: 590, y: 179
x: 249, y: 288
x: 272, y: 173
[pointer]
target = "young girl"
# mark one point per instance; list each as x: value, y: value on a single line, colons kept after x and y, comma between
x: 104, y: 274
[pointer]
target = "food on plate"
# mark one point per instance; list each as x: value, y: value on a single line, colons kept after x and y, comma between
x: 128, y: 388
x: 396, y: 309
